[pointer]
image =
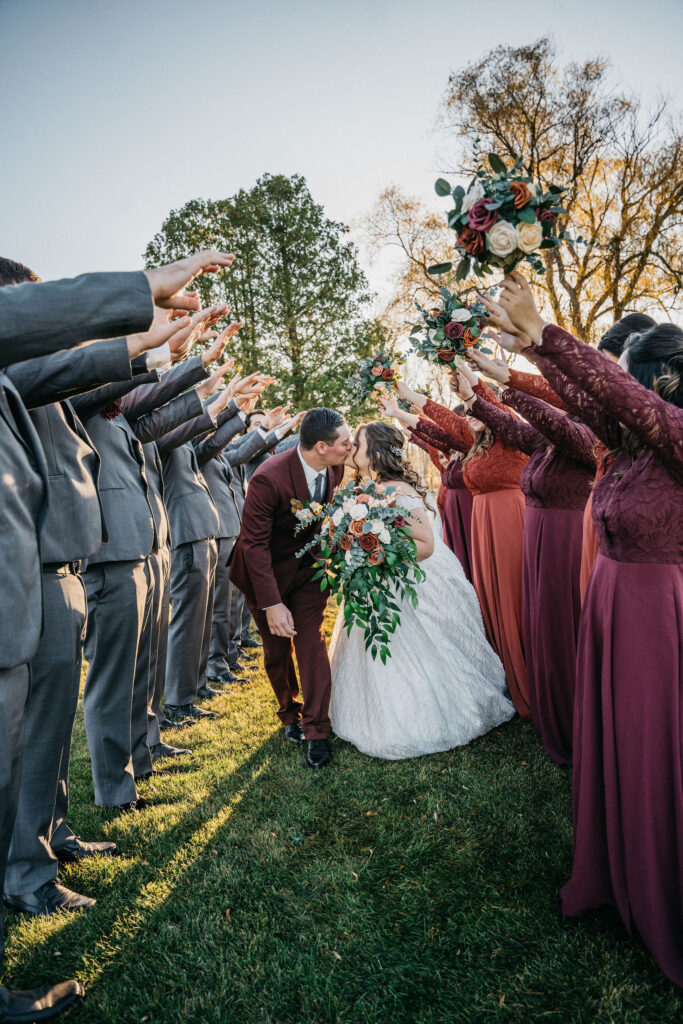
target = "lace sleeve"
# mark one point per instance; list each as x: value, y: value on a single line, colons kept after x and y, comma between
x: 573, y: 439
x: 536, y: 385
x: 657, y: 423
x: 578, y: 400
x: 435, y: 435
x: 507, y: 427
x: 450, y: 421
x: 431, y: 451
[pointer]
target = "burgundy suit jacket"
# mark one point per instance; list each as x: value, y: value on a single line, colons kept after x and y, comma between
x: 264, y: 561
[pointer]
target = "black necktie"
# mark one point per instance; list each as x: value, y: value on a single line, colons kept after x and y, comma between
x: 319, y: 488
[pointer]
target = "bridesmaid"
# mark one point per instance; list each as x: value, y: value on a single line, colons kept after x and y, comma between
x: 456, y: 512
x: 491, y: 470
x: 628, y: 777
x: 556, y: 482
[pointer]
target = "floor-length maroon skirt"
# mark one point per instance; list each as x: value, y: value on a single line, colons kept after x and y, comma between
x: 457, y: 525
x: 552, y: 607
x: 628, y: 771
x: 497, y: 528
x: 589, y: 548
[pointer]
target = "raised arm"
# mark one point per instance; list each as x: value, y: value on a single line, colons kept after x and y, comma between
x: 434, y: 435
x: 449, y: 421
x: 578, y: 401
x: 537, y: 386
x: 506, y: 427
x: 434, y: 454
x: 575, y: 440
x: 98, y: 399
x: 159, y: 422
x: 53, y: 378
x: 186, y: 432
x: 211, y: 446
x: 172, y: 383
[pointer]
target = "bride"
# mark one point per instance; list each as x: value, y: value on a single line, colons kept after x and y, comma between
x: 443, y: 685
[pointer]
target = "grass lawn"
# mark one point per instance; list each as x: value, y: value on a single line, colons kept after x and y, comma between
x: 256, y: 890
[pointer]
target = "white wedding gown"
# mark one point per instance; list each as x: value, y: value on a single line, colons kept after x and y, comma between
x: 442, y: 686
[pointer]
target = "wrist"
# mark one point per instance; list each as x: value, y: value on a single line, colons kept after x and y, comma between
x: 535, y: 332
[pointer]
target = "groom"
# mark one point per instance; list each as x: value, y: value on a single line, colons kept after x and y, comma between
x: 286, y: 602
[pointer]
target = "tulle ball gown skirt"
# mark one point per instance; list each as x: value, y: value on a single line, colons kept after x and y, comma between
x: 552, y: 608
x: 497, y: 529
x: 628, y: 764
x: 457, y: 525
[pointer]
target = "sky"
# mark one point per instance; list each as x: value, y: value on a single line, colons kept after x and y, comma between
x: 116, y: 111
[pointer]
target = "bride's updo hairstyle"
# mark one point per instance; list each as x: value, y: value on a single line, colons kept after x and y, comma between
x: 387, y: 456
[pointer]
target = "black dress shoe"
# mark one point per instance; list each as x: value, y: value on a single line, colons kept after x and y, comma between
x: 200, y: 713
x: 318, y: 753
x: 38, y: 1004
x: 224, y: 679
x: 165, y: 750
x: 76, y: 850
x: 207, y: 693
x: 294, y: 733
x: 247, y: 656
x: 248, y: 641
x: 168, y: 723
x: 132, y: 806
x: 237, y: 668
x: 154, y: 774
x: 47, y: 900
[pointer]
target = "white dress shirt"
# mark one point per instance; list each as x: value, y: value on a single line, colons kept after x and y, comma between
x: 311, y: 474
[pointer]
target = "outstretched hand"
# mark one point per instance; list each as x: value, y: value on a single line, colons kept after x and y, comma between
x: 213, y: 354
x: 168, y: 283
x: 507, y: 336
x: 160, y: 332
x: 496, y: 369
x: 518, y: 302
x: 181, y: 342
x: 211, y: 386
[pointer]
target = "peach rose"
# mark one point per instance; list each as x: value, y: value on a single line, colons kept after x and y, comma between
x: 368, y: 541
x: 446, y: 355
x: 346, y: 542
x: 468, y: 339
x: 376, y: 370
x: 521, y: 193
x: 356, y: 527
x: 377, y: 556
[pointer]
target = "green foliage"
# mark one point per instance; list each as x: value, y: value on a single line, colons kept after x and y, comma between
x: 296, y: 283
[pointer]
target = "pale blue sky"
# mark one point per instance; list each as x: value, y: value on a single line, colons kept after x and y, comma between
x: 115, y: 111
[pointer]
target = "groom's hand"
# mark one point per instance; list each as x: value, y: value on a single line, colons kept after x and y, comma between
x: 280, y: 621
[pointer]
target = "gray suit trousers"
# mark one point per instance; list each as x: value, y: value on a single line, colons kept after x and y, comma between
x: 117, y: 594
x: 160, y: 565
x: 50, y: 713
x: 192, y: 570
x: 142, y: 761
x: 14, y: 688
x: 221, y: 634
x: 246, y: 616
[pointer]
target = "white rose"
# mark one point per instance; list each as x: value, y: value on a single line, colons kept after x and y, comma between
x: 305, y: 516
x: 348, y: 505
x: 376, y: 526
x: 338, y: 516
x: 359, y: 511
x: 431, y: 332
x: 529, y: 236
x: 473, y: 196
x: 347, y: 557
x: 502, y: 238
x: 385, y: 537
x: 461, y: 316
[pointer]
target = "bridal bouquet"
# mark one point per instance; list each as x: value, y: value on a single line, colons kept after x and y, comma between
x: 502, y: 219
x: 365, y: 553
x: 374, y: 374
x: 448, y: 331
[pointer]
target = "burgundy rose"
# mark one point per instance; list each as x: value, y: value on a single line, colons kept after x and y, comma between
x: 368, y: 542
x: 480, y: 218
x: 545, y: 216
x: 454, y: 330
x: 473, y: 242
x: 378, y: 359
x: 388, y: 374
x: 399, y: 521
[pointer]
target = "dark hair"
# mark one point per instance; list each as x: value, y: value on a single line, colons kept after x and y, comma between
x: 12, y: 272
x: 655, y: 359
x: 615, y: 338
x: 319, y: 425
x: 249, y: 417
x: 386, y: 456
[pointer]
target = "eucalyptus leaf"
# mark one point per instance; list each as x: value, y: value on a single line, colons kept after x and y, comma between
x: 497, y: 165
x: 441, y: 187
x: 439, y: 268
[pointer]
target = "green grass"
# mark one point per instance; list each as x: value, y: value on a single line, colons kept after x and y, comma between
x: 255, y: 890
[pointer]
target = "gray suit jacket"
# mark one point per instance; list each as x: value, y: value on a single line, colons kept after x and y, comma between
x: 219, y: 473
x: 24, y: 475
x: 37, y: 319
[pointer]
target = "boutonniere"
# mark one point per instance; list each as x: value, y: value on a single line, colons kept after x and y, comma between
x: 306, y: 513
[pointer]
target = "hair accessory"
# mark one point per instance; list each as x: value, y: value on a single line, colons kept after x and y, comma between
x: 398, y: 452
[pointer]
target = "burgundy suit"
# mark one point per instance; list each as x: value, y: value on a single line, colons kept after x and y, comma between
x: 265, y: 568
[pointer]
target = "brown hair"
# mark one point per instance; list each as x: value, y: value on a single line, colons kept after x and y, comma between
x: 386, y: 454
x: 482, y: 442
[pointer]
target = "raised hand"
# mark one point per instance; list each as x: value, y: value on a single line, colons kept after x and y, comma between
x: 388, y: 405
x: 210, y: 387
x: 182, y: 342
x: 168, y: 283
x: 462, y: 385
x: 275, y: 418
x: 496, y: 369
x: 160, y: 332
x: 518, y: 302
x: 213, y: 354
x: 507, y: 335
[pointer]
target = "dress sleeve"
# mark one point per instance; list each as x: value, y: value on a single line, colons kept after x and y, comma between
x: 505, y: 426
x: 435, y: 435
x: 536, y: 385
x: 575, y: 440
x: 432, y: 452
x: 450, y: 421
x: 658, y: 424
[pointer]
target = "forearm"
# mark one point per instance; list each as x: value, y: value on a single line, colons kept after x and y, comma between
x: 505, y: 426
x: 449, y: 421
x: 158, y: 422
x: 185, y: 432
x: 210, y: 448
x: 536, y: 385
x: 63, y: 375
x: 172, y: 383
x: 98, y: 399
x: 575, y: 440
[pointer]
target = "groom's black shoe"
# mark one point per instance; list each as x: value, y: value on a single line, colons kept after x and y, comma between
x: 318, y: 753
x: 294, y: 733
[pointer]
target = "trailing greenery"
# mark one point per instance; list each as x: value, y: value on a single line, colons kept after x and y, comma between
x: 256, y: 891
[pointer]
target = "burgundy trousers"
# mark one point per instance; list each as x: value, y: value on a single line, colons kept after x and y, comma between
x: 307, y: 605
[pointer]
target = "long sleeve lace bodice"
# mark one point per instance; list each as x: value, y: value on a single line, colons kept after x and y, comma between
x: 439, y: 438
x: 450, y: 421
x: 507, y: 427
x: 637, y: 505
x: 574, y: 439
x: 539, y: 387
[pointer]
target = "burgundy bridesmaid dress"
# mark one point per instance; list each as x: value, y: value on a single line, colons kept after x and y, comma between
x: 628, y: 774
x: 556, y: 483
